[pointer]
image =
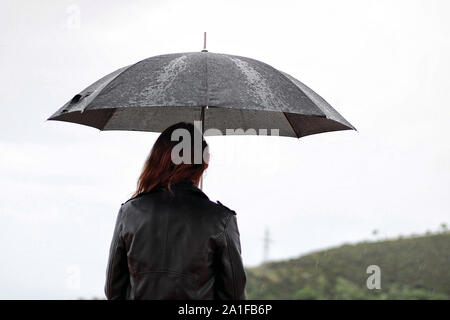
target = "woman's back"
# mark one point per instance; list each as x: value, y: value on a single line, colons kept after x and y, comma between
x: 175, y: 245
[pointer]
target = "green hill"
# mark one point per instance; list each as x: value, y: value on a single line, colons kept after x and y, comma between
x: 411, y: 268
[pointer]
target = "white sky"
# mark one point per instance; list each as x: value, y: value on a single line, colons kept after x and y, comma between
x: 384, y: 65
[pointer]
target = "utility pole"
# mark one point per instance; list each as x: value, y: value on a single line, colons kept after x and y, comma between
x: 266, y: 245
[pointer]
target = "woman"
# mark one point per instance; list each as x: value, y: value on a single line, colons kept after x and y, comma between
x: 170, y: 241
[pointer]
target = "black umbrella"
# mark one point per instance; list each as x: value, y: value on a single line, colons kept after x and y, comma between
x: 226, y: 91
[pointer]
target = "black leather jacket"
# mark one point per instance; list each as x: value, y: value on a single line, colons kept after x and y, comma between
x: 175, y: 246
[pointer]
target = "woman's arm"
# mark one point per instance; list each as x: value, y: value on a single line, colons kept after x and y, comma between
x: 117, y: 274
x: 231, y: 276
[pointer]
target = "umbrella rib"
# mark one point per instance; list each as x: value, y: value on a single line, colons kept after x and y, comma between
x: 109, y: 118
x: 292, y: 127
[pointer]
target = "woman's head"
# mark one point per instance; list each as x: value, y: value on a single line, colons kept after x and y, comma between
x: 174, y: 158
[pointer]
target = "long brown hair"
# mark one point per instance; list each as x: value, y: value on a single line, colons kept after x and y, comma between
x: 159, y: 169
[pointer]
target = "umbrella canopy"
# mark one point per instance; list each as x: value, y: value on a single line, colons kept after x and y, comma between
x: 227, y: 91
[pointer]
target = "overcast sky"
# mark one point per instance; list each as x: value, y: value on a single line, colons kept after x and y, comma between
x: 384, y: 65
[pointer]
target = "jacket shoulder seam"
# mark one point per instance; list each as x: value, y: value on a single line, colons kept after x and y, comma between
x: 225, y: 207
x: 221, y: 233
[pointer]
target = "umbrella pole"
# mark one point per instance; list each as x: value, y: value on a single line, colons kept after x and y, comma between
x: 202, y: 119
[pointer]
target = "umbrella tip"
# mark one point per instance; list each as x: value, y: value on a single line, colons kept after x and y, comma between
x: 204, y: 42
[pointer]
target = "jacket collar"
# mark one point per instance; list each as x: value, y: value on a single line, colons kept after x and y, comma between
x: 184, y: 184
x: 189, y: 185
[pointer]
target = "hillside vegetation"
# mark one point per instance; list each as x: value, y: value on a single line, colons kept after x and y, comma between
x: 411, y: 268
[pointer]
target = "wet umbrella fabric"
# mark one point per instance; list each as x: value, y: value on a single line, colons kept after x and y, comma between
x: 239, y: 92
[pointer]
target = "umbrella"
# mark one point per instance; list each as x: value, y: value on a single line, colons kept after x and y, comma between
x: 225, y: 91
